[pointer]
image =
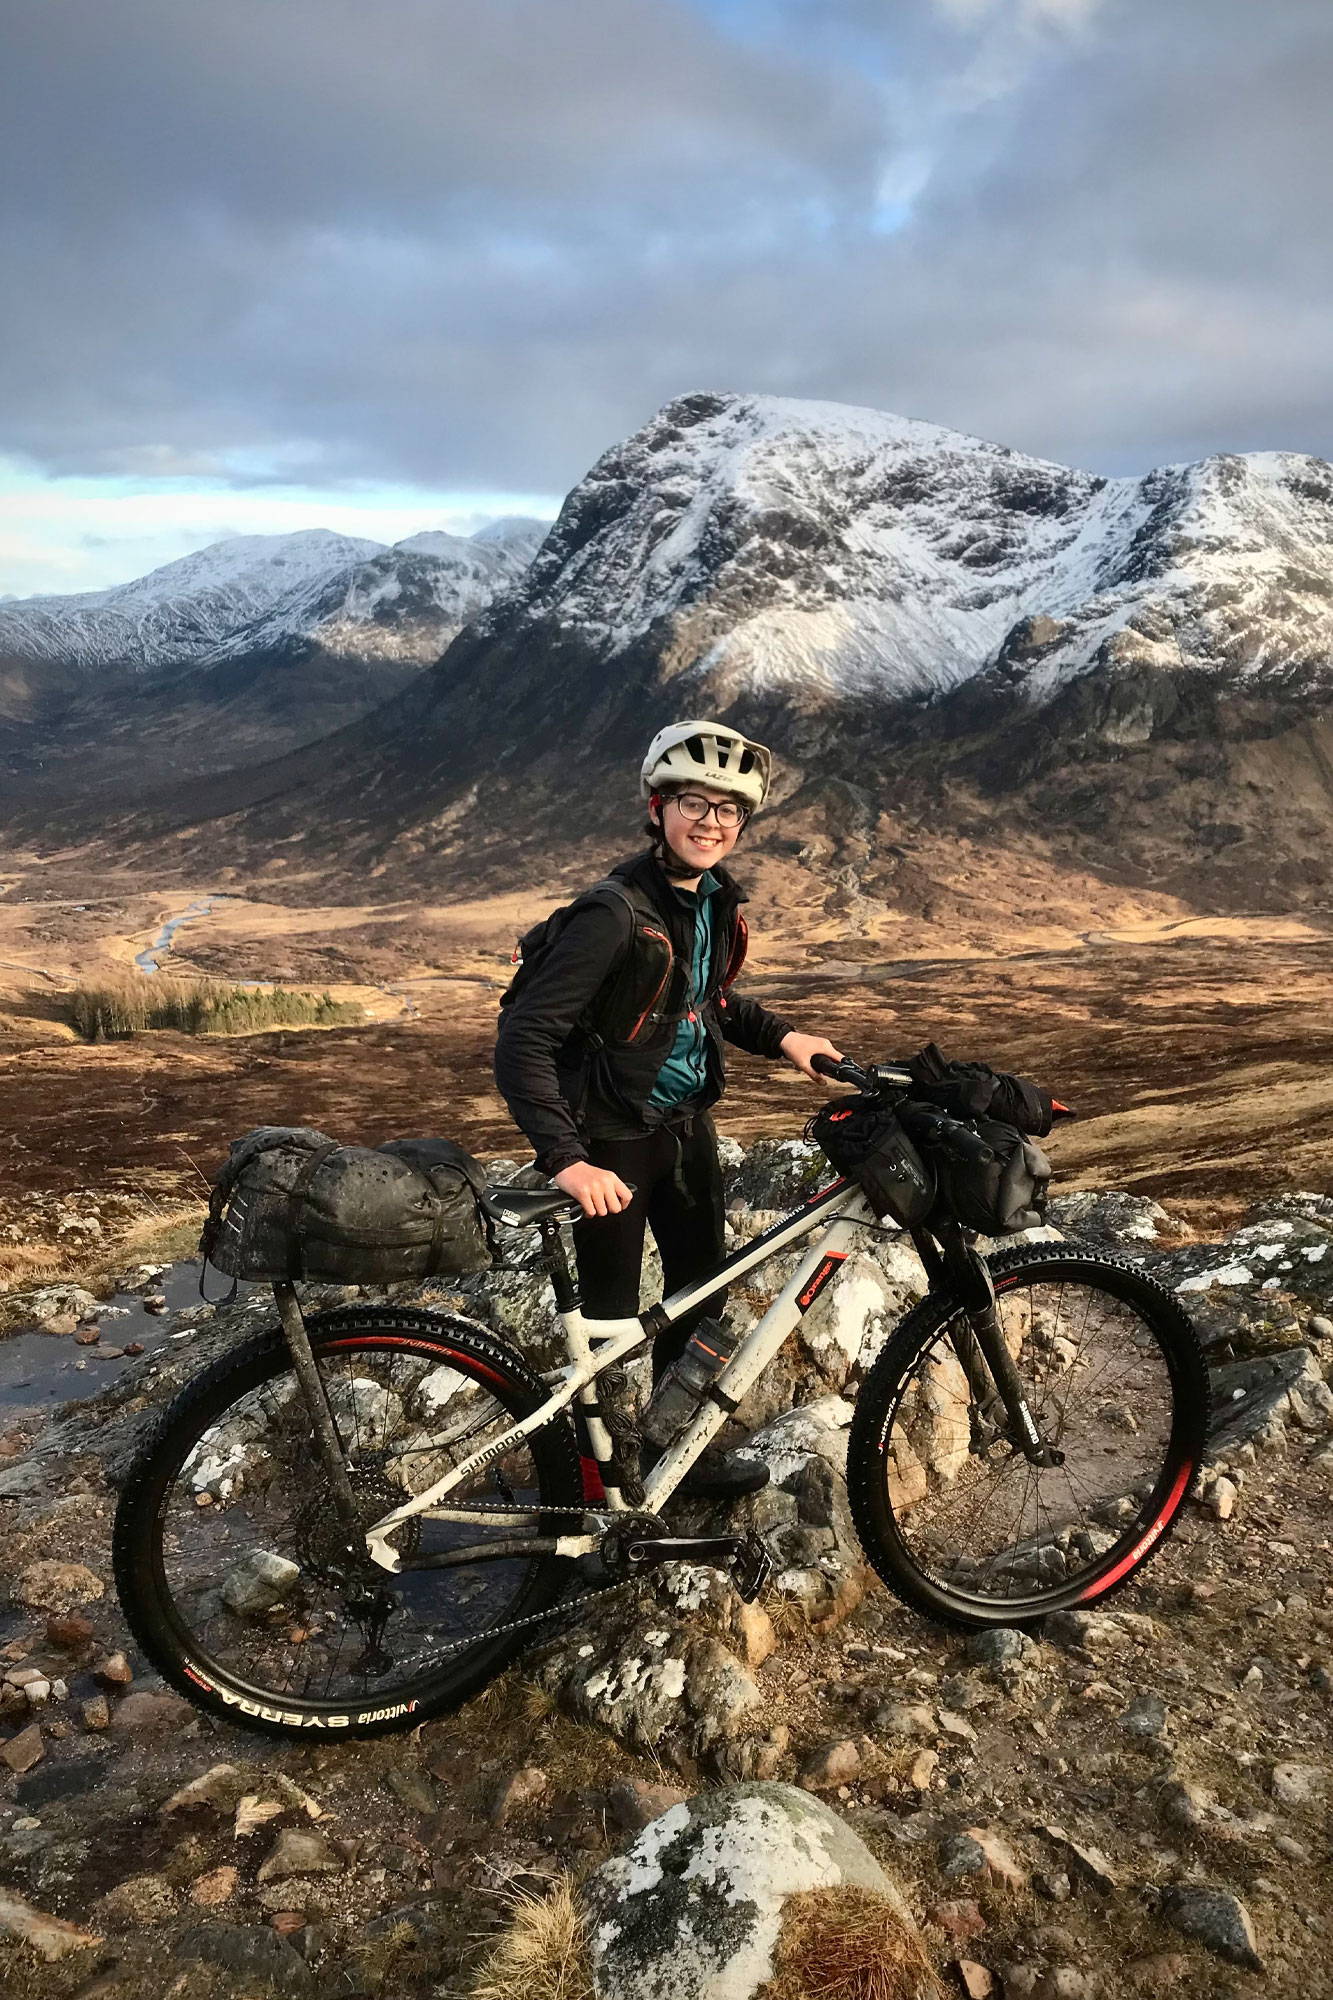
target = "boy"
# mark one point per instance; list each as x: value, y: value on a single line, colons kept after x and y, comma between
x: 611, y: 1054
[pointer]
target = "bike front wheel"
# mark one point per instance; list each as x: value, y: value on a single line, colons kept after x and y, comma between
x: 953, y: 1516
x: 231, y: 1558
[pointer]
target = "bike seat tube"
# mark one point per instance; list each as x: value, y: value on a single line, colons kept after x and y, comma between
x: 556, y: 1265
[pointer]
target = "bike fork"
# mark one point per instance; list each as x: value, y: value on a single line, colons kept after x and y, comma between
x: 982, y: 1351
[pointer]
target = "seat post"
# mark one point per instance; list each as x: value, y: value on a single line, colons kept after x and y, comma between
x: 556, y: 1265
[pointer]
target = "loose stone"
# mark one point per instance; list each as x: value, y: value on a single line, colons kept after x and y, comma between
x: 832, y: 1764
x: 24, y: 1750
x: 1217, y: 1919
x: 1145, y: 1716
x: 520, y: 1789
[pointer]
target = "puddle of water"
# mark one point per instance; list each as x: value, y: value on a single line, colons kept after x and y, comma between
x: 40, y: 1370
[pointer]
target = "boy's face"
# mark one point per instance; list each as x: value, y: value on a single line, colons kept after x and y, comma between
x: 700, y: 843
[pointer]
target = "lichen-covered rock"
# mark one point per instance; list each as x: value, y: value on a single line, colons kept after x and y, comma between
x: 777, y: 1174
x: 1107, y: 1220
x: 652, y: 1677
x: 693, y: 1909
x: 58, y: 1586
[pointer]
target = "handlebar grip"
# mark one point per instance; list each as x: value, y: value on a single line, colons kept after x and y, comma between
x: 825, y: 1065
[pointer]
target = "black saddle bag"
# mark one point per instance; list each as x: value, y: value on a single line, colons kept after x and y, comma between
x: 863, y: 1138
x: 292, y: 1203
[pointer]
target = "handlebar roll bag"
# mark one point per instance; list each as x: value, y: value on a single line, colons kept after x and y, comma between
x: 999, y: 1196
x: 975, y: 1090
x: 291, y: 1203
x: 861, y: 1137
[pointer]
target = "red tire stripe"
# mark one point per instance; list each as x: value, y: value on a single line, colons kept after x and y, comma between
x: 1161, y: 1523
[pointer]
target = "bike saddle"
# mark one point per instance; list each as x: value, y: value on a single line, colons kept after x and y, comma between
x: 521, y: 1207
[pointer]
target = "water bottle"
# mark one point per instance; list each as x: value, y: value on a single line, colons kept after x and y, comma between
x: 687, y: 1381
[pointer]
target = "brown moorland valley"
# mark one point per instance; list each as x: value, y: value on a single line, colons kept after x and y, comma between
x: 1195, y: 1045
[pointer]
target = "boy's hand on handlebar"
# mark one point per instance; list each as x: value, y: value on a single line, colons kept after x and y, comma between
x: 798, y: 1049
x: 598, y: 1190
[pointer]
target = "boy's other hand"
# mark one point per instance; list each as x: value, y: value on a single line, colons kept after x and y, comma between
x: 599, y: 1190
x: 798, y: 1049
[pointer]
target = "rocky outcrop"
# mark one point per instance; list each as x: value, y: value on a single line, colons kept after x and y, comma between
x: 693, y: 1909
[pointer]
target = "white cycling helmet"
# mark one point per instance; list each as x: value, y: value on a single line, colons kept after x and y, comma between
x: 709, y: 754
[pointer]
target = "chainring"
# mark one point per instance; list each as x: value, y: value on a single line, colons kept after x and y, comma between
x: 625, y: 1529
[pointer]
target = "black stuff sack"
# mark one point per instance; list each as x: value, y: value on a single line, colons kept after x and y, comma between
x: 995, y: 1197
x: 862, y: 1137
x: 975, y: 1090
x: 291, y: 1203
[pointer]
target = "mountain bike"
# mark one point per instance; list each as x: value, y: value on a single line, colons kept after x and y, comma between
x: 352, y: 1522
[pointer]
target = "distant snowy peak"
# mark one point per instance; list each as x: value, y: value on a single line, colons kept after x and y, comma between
x: 769, y: 544
x: 254, y: 591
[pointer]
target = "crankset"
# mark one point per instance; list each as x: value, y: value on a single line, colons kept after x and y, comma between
x: 637, y: 1542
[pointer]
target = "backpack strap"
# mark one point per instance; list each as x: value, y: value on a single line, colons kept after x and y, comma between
x: 612, y: 890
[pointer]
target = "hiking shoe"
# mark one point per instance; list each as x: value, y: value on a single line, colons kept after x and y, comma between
x: 715, y: 1474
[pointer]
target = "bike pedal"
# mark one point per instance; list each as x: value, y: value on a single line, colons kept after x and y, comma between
x: 751, y: 1567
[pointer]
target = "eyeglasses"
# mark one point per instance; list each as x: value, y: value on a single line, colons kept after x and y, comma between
x: 696, y: 809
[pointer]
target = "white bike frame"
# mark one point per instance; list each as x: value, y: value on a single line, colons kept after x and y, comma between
x: 837, y: 1210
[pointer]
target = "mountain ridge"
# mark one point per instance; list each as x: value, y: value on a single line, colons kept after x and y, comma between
x: 949, y: 630
x: 218, y: 601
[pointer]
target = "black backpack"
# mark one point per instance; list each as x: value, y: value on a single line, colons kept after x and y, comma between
x: 647, y: 993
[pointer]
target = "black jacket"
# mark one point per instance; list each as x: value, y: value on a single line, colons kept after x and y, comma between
x: 560, y: 1089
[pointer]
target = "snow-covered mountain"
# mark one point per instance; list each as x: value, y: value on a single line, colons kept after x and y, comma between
x: 259, y: 591
x: 770, y: 544
x: 929, y: 629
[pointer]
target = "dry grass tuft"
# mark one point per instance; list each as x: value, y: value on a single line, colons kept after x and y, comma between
x: 848, y: 1944
x: 168, y: 1236
x: 542, y: 1955
x: 115, y: 1010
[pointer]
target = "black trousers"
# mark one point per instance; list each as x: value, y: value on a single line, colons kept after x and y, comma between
x: 677, y: 1182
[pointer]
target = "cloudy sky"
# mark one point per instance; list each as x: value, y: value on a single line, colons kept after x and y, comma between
x: 390, y: 264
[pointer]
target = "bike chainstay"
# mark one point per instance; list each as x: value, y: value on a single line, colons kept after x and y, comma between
x: 556, y: 1610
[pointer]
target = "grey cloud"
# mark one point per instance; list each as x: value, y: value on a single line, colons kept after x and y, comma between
x: 471, y: 242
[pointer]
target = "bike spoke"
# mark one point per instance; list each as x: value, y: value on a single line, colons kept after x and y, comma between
x: 254, y: 1549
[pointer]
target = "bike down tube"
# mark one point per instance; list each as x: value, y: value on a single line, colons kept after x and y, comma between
x: 755, y: 1351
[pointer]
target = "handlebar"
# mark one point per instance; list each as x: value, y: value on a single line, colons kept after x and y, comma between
x: 926, y: 1123
x: 879, y: 1076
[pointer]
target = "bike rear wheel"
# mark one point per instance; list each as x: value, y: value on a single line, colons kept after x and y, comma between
x: 952, y: 1515
x: 230, y: 1554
